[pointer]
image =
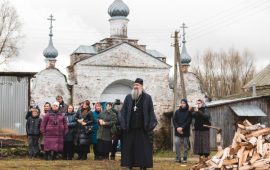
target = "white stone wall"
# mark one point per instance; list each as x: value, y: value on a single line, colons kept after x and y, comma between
x: 46, y: 85
x: 127, y: 63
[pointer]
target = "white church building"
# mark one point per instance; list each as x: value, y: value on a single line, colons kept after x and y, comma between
x: 106, y: 70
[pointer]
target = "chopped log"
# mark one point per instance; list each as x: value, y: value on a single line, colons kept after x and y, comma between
x: 224, y: 156
x: 240, y: 155
x: 230, y: 161
x: 219, y: 154
x: 260, y: 145
x: 246, y: 167
x: 255, y: 127
x: 267, y: 138
x: 247, y: 123
x: 242, y: 137
x: 234, y: 151
x: 235, y: 138
x: 260, y: 163
x: 251, y: 152
x: 254, y: 158
x: 245, y: 155
x: 261, y: 132
x: 241, y: 126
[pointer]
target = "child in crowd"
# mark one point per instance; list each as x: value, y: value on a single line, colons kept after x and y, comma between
x: 33, y: 133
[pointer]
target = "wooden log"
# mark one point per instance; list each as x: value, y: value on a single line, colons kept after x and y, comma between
x: 260, y: 163
x: 234, y: 151
x: 235, y: 167
x: 247, y: 123
x: 241, y: 126
x: 224, y: 156
x: 254, y: 158
x: 246, y: 167
x: 260, y: 146
x: 245, y: 156
x: 240, y: 156
x: 251, y: 152
x: 219, y: 154
x: 255, y: 127
x: 236, y: 138
x: 230, y: 161
x: 261, y: 132
x: 267, y: 138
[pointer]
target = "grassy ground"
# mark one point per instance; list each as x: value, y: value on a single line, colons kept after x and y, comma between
x: 162, y: 161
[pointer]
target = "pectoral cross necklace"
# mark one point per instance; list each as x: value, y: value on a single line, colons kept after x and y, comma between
x: 135, y: 103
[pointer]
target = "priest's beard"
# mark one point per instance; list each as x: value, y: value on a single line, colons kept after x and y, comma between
x: 135, y: 93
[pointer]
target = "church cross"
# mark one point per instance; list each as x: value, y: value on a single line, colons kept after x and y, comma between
x: 51, y: 20
x: 184, y: 32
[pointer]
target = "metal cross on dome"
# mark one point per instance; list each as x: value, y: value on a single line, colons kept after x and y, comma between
x: 51, y: 20
x: 184, y: 32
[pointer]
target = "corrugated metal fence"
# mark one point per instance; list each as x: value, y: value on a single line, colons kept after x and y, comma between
x: 13, y: 102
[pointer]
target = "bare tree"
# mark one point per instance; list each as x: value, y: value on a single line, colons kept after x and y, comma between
x: 10, y: 31
x: 224, y: 73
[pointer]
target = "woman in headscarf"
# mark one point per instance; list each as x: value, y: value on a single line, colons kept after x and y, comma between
x: 202, y: 134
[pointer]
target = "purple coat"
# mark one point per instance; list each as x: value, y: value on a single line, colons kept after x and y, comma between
x: 54, y: 127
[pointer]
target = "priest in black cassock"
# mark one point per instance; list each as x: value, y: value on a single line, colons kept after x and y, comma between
x: 138, y: 120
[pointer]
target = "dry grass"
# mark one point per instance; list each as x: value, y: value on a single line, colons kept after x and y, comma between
x: 160, y: 163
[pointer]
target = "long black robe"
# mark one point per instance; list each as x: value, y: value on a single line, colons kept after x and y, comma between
x: 137, y: 147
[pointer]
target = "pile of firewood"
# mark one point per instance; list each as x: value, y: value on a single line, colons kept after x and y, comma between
x: 250, y: 150
x: 12, y: 144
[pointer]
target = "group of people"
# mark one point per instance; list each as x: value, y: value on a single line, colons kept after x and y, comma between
x: 182, y: 120
x: 61, y: 130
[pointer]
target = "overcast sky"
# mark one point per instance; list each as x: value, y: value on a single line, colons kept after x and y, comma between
x: 215, y: 24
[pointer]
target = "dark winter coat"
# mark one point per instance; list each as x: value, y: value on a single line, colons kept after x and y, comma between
x: 72, y: 123
x: 95, y: 127
x: 63, y: 107
x: 149, y: 116
x: 33, y: 126
x: 182, y: 118
x: 54, y: 128
x: 104, y: 132
x: 202, y: 117
x: 82, y: 137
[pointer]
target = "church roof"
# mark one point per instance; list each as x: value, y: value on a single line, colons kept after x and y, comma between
x: 118, y: 9
x: 155, y: 53
x: 107, y: 49
x: 50, y: 51
x: 262, y: 79
x: 85, y: 49
x: 185, y: 57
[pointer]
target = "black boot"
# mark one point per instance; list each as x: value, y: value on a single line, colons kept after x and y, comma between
x: 84, y: 156
x: 49, y: 156
x: 79, y: 156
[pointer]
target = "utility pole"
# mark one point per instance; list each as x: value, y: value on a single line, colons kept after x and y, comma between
x: 175, y: 84
x: 183, y: 87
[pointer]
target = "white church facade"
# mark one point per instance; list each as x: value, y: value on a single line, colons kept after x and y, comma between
x: 106, y: 70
